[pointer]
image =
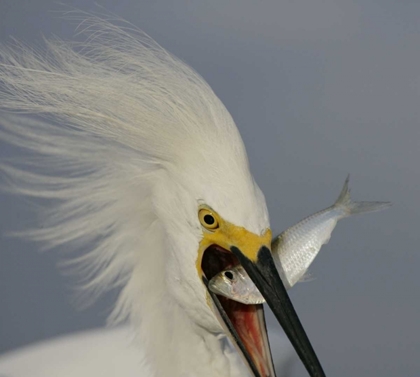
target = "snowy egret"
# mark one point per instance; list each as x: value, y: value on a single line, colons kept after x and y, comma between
x: 144, y: 162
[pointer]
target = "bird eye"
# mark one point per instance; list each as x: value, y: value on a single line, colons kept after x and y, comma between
x: 229, y: 275
x: 207, y: 219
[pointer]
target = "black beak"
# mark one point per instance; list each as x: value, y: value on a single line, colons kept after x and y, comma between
x: 265, y: 276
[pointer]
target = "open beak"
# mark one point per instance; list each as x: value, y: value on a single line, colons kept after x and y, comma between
x: 245, y: 324
x: 245, y: 327
x: 226, y: 245
x: 265, y: 276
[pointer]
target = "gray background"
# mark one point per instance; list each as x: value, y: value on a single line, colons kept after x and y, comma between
x: 318, y: 89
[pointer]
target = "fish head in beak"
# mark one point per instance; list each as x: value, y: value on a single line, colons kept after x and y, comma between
x: 225, y: 245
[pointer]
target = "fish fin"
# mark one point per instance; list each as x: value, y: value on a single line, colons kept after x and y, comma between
x: 352, y: 208
x: 306, y: 277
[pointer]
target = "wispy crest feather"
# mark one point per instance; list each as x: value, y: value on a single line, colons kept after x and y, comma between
x: 110, y: 113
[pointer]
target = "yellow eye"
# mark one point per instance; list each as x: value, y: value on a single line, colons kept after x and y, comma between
x: 208, y: 219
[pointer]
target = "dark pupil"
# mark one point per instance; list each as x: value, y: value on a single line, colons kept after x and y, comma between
x: 209, y: 219
x: 229, y: 275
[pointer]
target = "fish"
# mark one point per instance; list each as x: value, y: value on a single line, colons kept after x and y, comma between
x: 235, y: 284
x: 294, y: 250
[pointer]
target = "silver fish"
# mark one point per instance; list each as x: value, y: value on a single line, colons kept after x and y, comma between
x: 294, y: 249
x: 236, y: 284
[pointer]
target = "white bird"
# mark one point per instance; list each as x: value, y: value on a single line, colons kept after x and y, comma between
x: 147, y: 168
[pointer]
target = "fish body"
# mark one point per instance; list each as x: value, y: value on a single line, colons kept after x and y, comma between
x: 296, y: 248
x: 236, y: 285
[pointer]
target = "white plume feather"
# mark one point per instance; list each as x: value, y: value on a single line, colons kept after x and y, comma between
x: 112, y: 113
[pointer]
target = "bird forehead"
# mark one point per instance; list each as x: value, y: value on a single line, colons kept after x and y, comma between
x: 226, y: 186
x: 245, y: 212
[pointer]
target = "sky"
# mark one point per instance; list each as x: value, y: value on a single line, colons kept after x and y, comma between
x: 318, y: 89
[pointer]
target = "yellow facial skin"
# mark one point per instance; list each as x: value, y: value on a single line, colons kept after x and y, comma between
x: 226, y: 235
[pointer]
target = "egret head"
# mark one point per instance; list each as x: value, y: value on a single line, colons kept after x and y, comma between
x: 212, y: 216
x: 215, y: 217
x: 209, y: 199
x: 157, y: 179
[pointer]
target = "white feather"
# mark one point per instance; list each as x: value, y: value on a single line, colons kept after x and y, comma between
x: 118, y: 110
x: 128, y: 140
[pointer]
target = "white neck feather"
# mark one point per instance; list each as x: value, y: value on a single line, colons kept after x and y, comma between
x: 173, y: 345
x: 176, y: 347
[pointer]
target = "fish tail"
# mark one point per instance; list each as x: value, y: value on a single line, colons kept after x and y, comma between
x: 353, y: 208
